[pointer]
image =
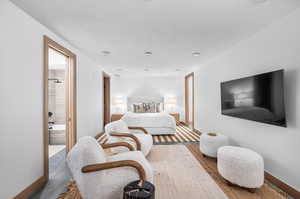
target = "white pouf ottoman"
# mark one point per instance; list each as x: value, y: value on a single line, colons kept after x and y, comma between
x: 211, y: 142
x: 241, y: 166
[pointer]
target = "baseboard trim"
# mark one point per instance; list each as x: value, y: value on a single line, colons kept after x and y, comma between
x: 31, y: 189
x: 283, y: 186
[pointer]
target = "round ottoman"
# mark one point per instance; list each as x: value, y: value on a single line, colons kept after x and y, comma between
x: 211, y: 142
x: 241, y: 166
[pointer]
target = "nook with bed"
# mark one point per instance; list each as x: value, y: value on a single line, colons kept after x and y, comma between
x: 149, y: 113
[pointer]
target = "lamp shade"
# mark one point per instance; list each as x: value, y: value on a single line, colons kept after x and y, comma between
x: 117, y: 101
x: 171, y: 101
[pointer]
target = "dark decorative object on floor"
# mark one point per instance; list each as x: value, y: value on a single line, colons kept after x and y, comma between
x: 139, y: 190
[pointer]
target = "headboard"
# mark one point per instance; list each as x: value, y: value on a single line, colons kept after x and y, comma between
x: 132, y: 100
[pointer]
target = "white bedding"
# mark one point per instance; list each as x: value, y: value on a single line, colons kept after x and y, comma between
x: 155, y: 123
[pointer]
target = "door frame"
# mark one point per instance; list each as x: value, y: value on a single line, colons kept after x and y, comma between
x: 186, y: 97
x: 71, y: 101
x: 106, y: 98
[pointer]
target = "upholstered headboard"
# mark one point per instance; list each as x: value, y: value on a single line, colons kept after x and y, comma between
x: 132, y: 100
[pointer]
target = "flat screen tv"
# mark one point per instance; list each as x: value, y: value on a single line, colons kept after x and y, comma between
x: 258, y: 98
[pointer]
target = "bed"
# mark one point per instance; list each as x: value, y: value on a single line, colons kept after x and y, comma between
x: 158, y: 123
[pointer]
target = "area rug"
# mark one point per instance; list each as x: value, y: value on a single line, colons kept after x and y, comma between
x: 177, y: 175
x: 182, y: 135
x: 71, y: 193
x: 182, y: 172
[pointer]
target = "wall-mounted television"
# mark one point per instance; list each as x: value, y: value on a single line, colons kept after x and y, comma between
x: 258, y: 98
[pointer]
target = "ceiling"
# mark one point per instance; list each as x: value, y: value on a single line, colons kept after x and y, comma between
x: 171, y: 29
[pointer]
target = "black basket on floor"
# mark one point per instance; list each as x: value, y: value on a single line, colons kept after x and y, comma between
x: 139, y: 190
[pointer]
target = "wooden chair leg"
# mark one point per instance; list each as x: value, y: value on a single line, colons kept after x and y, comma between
x: 251, y: 190
x: 229, y: 183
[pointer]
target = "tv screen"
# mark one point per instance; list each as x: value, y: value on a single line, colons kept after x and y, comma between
x: 259, y: 98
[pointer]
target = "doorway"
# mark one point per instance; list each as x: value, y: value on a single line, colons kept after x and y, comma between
x: 59, y: 104
x: 106, y: 98
x: 189, y: 100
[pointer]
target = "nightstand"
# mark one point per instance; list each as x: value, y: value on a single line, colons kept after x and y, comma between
x: 116, y: 116
x: 176, y: 116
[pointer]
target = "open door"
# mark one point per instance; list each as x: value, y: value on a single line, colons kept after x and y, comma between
x: 189, y: 100
x: 59, y: 102
x: 106, y: 100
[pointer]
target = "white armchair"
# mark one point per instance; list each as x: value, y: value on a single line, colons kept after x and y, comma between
x: 99, y: 176
x: 118, y: 131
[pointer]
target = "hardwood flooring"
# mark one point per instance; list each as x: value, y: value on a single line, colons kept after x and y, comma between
x: 267, y: 191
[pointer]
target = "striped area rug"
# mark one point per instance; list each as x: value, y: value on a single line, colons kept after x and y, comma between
x: 183, y: 135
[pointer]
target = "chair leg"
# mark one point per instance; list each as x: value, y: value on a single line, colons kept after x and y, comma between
x: 229, y: 183
x: 251, y: 190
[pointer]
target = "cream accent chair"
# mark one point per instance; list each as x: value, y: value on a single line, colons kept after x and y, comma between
x: 99, y: 176
x: 118, y: 131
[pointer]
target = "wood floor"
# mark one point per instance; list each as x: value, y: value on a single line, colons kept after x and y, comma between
x: 267, y: 191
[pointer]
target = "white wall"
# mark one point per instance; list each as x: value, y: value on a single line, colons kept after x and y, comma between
x: 21, y: 95
x: 275, y: 47
x: 151, y: 87
x: 90, y: 98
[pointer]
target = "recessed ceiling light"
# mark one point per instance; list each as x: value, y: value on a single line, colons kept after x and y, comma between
x: 146, y: 69
x: 196, y: 54
x: 148, y: 53
x: 105, y: 52
x: 258, y: 1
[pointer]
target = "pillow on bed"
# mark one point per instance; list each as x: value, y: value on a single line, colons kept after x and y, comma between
x: 151, y: 107
x: 143, y: 108
x: 138, y: 108
x: 159, y: 107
